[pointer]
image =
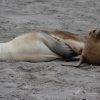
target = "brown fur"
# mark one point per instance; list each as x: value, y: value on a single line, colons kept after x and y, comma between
x: 75, y: 41
x: 66, y: 35
x: 91, y: 51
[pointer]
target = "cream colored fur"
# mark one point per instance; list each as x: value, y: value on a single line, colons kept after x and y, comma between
x: 28, y: 47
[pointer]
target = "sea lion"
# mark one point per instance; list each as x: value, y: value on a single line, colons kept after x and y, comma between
x: 41, y: 46
x: 91, y: 51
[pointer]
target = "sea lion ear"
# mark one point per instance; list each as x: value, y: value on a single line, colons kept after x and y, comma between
x: 97, y: 33
x: 93, y: 31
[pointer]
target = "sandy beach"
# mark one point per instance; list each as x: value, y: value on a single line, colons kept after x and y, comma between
x: 55, y: 80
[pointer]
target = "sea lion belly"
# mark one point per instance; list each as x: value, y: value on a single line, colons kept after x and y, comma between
x: 30, y: 50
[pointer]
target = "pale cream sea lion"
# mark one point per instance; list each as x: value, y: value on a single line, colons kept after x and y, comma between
x: 91, y: 50
x: 42, y: 46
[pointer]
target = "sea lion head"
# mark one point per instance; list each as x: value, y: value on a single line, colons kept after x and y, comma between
x: 91, y: 51
x: 95, y: 33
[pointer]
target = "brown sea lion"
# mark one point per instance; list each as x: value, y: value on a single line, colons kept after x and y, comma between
x: 91, y: 50
x: 42, y: 46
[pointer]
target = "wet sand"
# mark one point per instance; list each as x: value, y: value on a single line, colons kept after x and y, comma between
x: 55, y: 80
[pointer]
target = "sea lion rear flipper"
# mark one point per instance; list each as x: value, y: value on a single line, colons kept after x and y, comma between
x: 58, y: 47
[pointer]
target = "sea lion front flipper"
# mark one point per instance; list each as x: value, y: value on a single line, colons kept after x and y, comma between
x: 58, y: 47
x: 81, y: 62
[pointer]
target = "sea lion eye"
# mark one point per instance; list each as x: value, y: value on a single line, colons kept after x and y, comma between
x: 93, y: 31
